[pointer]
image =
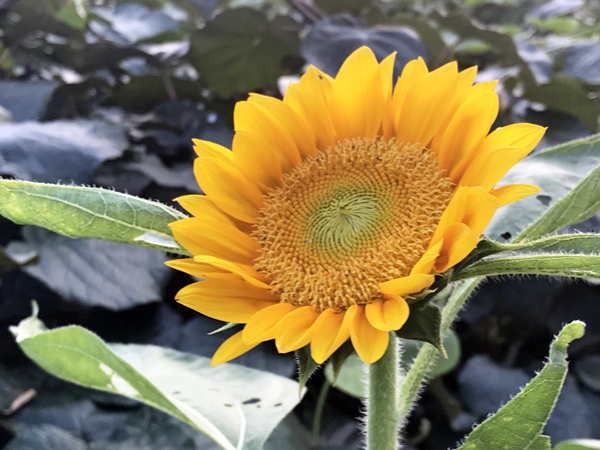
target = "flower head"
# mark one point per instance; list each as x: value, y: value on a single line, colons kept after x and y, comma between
x: 341, y: 203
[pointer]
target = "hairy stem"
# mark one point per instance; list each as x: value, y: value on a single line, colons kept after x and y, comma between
x: 414, y: 378
x: 382, y: 412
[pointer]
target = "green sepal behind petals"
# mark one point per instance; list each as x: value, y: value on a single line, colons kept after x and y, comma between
x: 306, y: 365
x: 423, y: 324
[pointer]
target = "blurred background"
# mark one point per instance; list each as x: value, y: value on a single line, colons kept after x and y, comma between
x: 110, y: 94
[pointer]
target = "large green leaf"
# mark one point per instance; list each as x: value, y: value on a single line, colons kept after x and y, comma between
x: 519, y: 424
x: 77, y: 211
x: 578, y: 205
x: 93, y: 272
x: 235, y: 406
x: 557, y: 171
x: 241, y: 50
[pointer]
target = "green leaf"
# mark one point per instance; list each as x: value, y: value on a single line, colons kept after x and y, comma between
x: 577, y: 266
x: 559, y: 25
x: 74, y: 14
x: 557, y: 172
x: 76, y: 211
x: 306, y: 365
x: 564, y: 243
x: 569, y: 95
x: 578, y: 205
x: 441, y: 365
x: 94, y: 272
x: 540, y: 443
x: 519, y: 424
x: 235, y: 406
x: 423, y: 324
x: 500, y: 42
x: 543, y: 256
x: 240, y: 50
x: 579, y: 444
x: 350, y: 379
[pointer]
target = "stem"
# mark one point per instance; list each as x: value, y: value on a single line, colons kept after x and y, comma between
x: 382, y: 411
x: 418, y: 370
x: 316, y: 430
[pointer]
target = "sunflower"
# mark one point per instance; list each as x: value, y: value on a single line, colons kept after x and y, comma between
x: 339, y: 204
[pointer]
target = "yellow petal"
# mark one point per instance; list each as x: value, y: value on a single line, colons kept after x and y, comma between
x: 256, y: 119
x: 470, y: 205
x: 200, y: 270
x: 230, y: 349
x: 386, y: 70
x: 230, y: 301
x: 413, y: 72
x: 458, y: 242
x: 513, y: 192
x: 330, y: 331
x: 247, y: 272
x: 201, y: 206
x: 202, y: 236
x: 291, y: 121
x: 469, y: 126
x: 234, y: 287
x: 357, y: 97
x: 319, y: 82
x: 488, y: 168
x: 410, y: 284
x: 228, y: 188
x: 426, y: 105
x: 257, y: 158
x: 524, y: 135
x: 295, y: 330
x: 207, y: 149
x: 315, y: 111
x: 369, y: 342
x: 388, y: 314
x: 263, y: 325
x: 425, y: 264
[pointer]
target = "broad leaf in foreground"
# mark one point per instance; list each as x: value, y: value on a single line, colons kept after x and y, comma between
x: 77, y: 211
x: 557, y: 171
x: 518, y: 424
x: 235, y: 406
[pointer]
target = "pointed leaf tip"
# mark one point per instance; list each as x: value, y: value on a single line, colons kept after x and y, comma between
x: 572, y: 331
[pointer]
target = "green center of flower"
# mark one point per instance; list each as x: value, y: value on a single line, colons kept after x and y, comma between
x: 346, y: 220
x: 349, y: 219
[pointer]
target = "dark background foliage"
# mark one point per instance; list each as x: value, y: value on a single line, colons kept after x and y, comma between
x: 109, y: 93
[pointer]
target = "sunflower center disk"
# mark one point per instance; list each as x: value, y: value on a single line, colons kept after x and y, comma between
x: 348, y: 220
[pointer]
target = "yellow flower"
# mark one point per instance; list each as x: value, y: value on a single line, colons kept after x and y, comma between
x: 339, y: 204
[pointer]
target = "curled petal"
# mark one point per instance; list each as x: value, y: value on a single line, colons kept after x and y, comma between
x: 458, y: 241
x: 369, y: 342
x: 388, y: 314
x: 410, y: 284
